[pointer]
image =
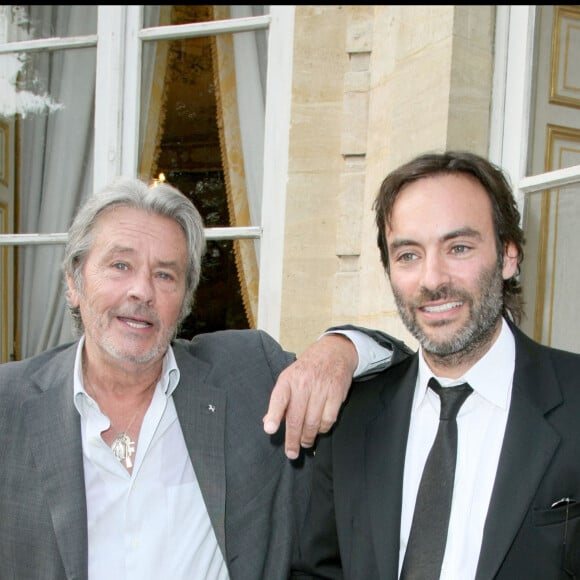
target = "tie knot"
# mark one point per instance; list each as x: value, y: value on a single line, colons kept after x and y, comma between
x: 451, y: 398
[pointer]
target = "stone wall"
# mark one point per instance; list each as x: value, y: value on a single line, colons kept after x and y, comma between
x: 373, y: 86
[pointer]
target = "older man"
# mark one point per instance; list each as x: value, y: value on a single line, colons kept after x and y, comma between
x: 132, y: 455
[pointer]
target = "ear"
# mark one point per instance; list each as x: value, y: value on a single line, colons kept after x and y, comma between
x: 510, y: 260
x: 73, y: 293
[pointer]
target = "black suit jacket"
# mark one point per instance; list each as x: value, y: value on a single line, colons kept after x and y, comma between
x: 353, y: 525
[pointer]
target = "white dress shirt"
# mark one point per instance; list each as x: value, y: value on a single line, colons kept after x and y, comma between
x: 151, y: 523
x: 481, y: 426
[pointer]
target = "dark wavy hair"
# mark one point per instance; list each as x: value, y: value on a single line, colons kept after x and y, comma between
x: 506, y: 216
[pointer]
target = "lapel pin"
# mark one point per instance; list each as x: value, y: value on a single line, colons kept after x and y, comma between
x: 211, y: 408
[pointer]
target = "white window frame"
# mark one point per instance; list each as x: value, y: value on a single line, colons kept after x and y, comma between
x: 118, y: 42
x: 510, y: 127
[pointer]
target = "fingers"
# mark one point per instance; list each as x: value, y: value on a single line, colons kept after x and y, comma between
x: 288, y: 401
x: 311, y: 423
x: 326, y: 398
x: 295, y: 414
x: 307, y: 411
x: 309, y: 393
x: 277, y: 407
x: 331, y: 410
x: 311, y: 410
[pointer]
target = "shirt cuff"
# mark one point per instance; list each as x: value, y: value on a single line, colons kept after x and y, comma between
x: 372, y: 357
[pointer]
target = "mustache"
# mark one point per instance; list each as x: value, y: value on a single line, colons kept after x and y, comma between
x: 139, y: 312
x: 443, y: 292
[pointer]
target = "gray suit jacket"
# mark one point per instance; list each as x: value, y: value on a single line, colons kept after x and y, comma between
x: 255, y: 496
x: 352, y: 530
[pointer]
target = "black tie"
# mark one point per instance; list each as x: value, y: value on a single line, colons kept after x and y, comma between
x: 428, y: 535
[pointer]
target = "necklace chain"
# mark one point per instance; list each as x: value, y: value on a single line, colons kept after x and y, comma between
x: 123, y: 447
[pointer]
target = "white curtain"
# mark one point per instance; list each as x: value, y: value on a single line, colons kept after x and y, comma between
x: 240, y: 73
x: 250, y: 52
x: 56, y: 163
x: 56, y: 160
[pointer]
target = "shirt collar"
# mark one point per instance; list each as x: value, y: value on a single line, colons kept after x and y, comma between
x: 491, y: 376
x: 168, y: 381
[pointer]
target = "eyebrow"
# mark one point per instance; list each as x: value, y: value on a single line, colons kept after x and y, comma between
x: 118, y: 250
x: 465, y: 232
x: 169, y: 264
x: 121, y: 252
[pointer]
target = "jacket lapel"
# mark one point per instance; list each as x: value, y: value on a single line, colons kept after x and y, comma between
x: 387, y: 440
x: 55, y: 441
x: 521, y: 465
x: 201, y: 409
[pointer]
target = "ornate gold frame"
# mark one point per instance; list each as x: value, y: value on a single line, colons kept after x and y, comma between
x: 565, y: 29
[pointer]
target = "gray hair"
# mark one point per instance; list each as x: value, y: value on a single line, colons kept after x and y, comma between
x: 162, y: 199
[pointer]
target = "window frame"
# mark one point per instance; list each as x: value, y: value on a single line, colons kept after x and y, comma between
x: 510, y: 126
x: 118, y: 43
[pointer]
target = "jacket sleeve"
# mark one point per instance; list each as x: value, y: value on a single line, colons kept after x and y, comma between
x: 377, y: 350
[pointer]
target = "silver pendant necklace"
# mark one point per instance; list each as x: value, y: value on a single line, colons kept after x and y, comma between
x: 123, y: 447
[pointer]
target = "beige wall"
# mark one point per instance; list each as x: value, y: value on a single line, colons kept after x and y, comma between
x: 373, y: 86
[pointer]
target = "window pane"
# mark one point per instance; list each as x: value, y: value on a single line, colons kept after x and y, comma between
x: 552, y: 267
x: 556, y: 106
x: 219, y: 301
x: 51, y: 102
x: 202, y: 124
x: 549, y: 271
x: 186, y: 13
x: 25, y: 22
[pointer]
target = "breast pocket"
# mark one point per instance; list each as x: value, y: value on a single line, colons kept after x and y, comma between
x: 565, y: 516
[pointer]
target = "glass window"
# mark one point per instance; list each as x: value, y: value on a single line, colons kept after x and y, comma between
x: 192, y: 112
x: 25, y: 22
x: 196, y: 113
x: 47, y: 104
x: 539, y: 97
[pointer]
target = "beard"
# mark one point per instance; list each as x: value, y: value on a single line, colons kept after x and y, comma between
x: 485, y: 308
x: 128, y: 350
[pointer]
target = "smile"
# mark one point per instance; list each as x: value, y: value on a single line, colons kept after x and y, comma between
x: 136, y: 324
x: 442, y: 307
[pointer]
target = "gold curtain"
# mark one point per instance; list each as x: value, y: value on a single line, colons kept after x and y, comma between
x: 233, y: 164
x: 156, y: 117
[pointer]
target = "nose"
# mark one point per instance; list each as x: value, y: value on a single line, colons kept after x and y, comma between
x: 435, y: 272
x: 142, y: 288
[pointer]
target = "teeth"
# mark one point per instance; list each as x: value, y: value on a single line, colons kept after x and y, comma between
x: 133, y: 324
x: 442, y: 307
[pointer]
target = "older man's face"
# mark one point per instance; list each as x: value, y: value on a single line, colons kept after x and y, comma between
x: 134, y: 286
